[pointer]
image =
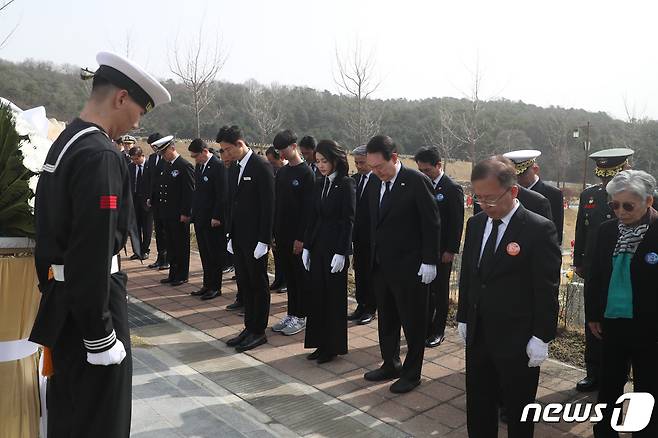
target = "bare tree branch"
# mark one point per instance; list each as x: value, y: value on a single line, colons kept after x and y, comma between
x: 261, y: 104
x: 4, y: 5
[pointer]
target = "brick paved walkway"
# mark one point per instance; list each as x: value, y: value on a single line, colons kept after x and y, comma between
x: 436, y: 408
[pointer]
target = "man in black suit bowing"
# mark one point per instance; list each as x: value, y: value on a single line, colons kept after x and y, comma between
x: 508, y: 304
x: 208, y: 210
x: 138, y: 171
x: 405, y: 229
x: 450, y: 201
x: 249, y: 228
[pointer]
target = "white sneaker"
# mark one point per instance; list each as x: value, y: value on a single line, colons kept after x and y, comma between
x: 279, y: 326
x: 297, y: 325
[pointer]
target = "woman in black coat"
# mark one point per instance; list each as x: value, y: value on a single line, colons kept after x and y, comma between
x: 621, y: 295
x: 327, y: 246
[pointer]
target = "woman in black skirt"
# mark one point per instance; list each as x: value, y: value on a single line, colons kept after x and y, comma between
x: 327, y: 246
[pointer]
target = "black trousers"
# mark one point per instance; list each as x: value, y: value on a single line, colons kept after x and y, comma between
x: 625, y: 343
x: 178, y: 251
x: 144, y: 225
x: 593, y: 354
x: 160, y: 235
x: 279, y: 271
x: 253, y: 286
x: 212, y: 247
x: 296, y: 278
x: 490, y: 372
x: 439, y: 300
x: 365, y: 291
x: 401, y: 304
x: 87, y: 400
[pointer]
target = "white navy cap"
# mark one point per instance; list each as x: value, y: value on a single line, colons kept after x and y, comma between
x: 162, y: 144
x: 523, y: 159
x: 125, y: 74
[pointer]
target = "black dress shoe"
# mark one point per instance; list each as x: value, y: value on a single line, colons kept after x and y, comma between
x: 502, y: 414
x: 381, y: 374
x: 325, y: 357
x: 366, y: 318
x: 178, y: 282
x: 402, y: 386
x: 166, y: 280
x: 235, y: 305
x: 155, y: 264
x: 146, y: 256
x: 434, y: 341
x: 211, y: 294
x: 199, y: 292
x: 239, y: 338
x: 163, y: 266
x: 314, y: 355
x: 134, y: 257
x: 277, y: 285
x: 357, y: 314
x: 228, y: 269
x: 588, y: 384
x: 251, y: 341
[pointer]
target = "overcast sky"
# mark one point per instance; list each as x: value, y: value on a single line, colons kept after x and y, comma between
x: 583, y: 54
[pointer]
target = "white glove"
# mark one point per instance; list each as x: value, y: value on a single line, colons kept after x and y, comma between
x: 229, y: 246
x: 306, y: 259
x: 113, y: 356
x: 427, y: 273
x: 260, y: 250
x: 337, y: 263
x: 461, y: 329
x: 537, y: 351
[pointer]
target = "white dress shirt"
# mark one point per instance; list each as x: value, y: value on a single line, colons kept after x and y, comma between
x: 501, y: 228
x: 243, y: 163
x: 382, y: 190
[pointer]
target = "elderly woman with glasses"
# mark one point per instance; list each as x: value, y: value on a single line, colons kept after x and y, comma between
x: 621, y: 295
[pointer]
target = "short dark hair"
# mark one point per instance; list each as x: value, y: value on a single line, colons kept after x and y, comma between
x: 197, y: 145
x: 382, y: 144
x: 284, y: 139
x: 428, y: 154
x: 100, y: 87
x: 273, y: 152
x: 335, y: 154
x: 135, y: 151
x: 230, y: 134
x: 497, y: 166
x: 308, y: 142
x: 153, y: 137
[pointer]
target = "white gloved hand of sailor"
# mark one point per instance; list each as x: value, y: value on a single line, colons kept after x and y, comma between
x: 260, y: 250
x: 537, y: 351
x: 113, y: 356
x: 337, y: 263
x: 427, y: 273
x: 461, y: 329
x: 306, y: 259
x: 229, y: 246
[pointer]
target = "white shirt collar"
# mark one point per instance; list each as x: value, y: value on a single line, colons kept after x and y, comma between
x: 245, y: 159
x: 508, y: 217
x: 172, y: 161
x: 438, y: 178
x: 332, y: 177
x: 398, y: 166
x: 534, y: 183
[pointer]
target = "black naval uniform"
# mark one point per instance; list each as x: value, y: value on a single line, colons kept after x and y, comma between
x: 210, y: 197
x: 155, y: 172
x: 294, y: 194
x: 144, y: 217
x: 176, y: 191
x: 592, y: 211
x: 83, y: 208
x: 556, y: 199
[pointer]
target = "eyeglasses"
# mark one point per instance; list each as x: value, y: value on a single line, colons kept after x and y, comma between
x: 484, y: 202
x: 615, y: 205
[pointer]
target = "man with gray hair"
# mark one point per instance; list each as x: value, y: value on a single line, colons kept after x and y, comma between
x: 365, y: 294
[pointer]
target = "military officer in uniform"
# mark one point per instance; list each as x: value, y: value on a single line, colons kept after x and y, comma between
x: 592, y: 211
x: 175, y: 209
x: 155, y: 170
x: 527, y: 172
x: 124, y: 143
x: 83, y: 209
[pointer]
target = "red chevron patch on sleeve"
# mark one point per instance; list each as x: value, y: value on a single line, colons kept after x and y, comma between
x: 108, y: 202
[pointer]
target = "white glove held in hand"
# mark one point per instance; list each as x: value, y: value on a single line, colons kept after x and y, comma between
x: 537, y: 351
x: 337, y: 263
x: 229, y: 246
x: 113, y: 356
x: 461, y: 329
x: 260, y: 250
x: 427, y: 273
x: 306, y: 259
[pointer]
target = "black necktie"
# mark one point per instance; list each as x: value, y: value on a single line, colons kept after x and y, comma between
x: 490, y: 247
x: 325, y: 189
x: 361, y: 184
x: 387, y: 193
x: 138, y: 180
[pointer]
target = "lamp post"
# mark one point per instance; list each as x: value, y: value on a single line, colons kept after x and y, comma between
x: 586, y: 148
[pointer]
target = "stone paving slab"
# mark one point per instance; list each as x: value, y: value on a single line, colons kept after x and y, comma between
x: 436, y: 408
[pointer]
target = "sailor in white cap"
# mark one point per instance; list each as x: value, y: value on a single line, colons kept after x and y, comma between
x: 527, y: 173
x: 83, y: 210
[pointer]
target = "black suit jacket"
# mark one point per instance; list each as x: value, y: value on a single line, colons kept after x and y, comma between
x: 556, y: 199
x: 531, y: 200
x: 450, y: 200
x: 361, y: 235
x: 176, y: 189
x: 406, y: 233
x: 331, y: 220
x: 141, y: 193
x: 211, y: 192
x: 251, y: 203
x: 517, y: 298
x: 643, y: 276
